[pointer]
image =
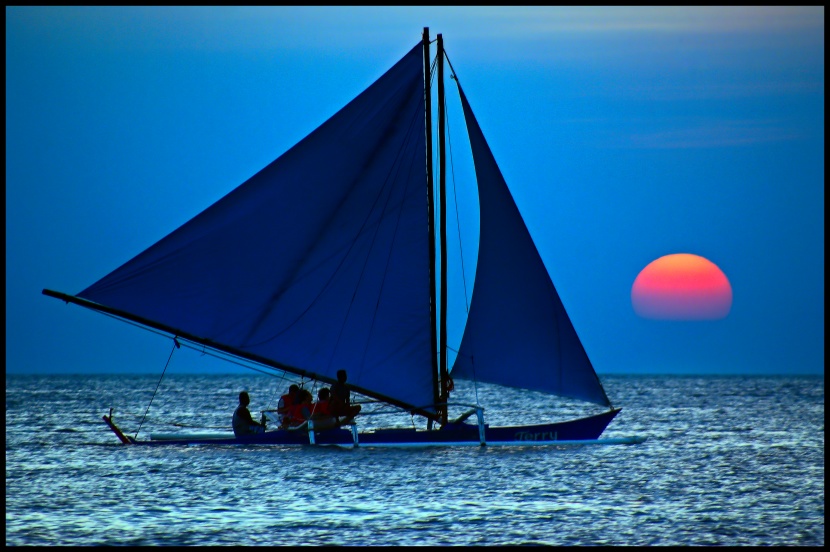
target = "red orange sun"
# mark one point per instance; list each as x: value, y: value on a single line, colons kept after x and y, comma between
x: 681, y: 287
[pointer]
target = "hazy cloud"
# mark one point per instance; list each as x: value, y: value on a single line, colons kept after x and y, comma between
x: 716, y: 134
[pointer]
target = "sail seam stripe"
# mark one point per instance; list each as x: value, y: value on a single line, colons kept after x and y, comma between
x: 413, y: 129
x: 328, y: 283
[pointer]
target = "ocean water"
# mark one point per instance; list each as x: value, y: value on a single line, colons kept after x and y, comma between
x: 728, y: 461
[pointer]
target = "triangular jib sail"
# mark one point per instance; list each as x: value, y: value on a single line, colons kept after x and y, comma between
x: 518, y: 333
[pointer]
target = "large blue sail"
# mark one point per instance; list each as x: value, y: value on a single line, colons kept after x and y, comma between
x: 518, y: 333
x: 320, y: 260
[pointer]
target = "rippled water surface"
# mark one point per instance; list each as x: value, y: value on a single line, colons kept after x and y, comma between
x: 728, y: 461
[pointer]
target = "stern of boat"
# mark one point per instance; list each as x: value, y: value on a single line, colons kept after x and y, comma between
x: 118, y: 433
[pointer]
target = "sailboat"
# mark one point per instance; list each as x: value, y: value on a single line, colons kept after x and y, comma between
x: 332, y: 257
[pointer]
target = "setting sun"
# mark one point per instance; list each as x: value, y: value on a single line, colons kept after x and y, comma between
x: 681, y: 287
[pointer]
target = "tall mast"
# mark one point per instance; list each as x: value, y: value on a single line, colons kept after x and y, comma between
x: 436, y: 392
x: 442, y: 207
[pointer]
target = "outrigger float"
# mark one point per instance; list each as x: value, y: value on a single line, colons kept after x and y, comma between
x: 334, y: 256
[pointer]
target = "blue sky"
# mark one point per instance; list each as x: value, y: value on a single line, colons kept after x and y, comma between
x: 625, y: 134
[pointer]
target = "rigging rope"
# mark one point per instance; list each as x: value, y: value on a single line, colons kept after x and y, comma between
x: 176, y: 345
x: 457, y: 220
x: 454, y: 77
x: 276, y: 390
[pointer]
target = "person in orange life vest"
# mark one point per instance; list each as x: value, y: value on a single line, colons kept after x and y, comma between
x: 286, y: 402
x: 301, y: 410
x: 340, y: 399
x: 322, y: 408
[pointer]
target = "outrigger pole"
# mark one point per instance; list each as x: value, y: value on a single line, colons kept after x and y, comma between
x: 233, y: 351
